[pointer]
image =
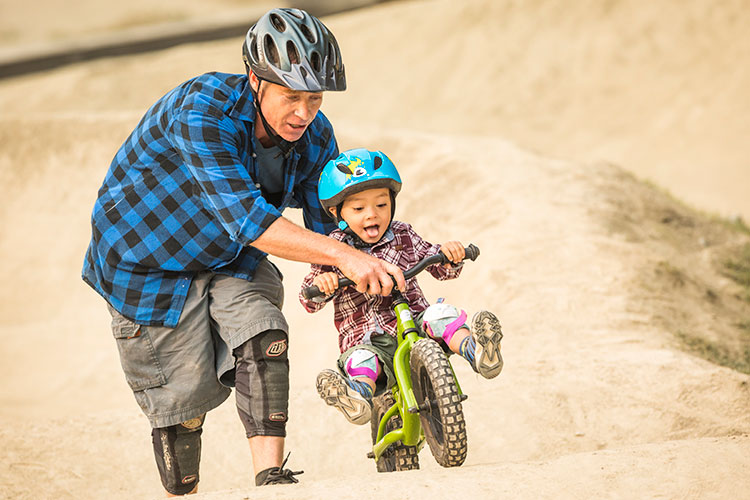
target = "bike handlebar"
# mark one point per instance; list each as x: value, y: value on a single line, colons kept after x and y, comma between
x: 472, y: 252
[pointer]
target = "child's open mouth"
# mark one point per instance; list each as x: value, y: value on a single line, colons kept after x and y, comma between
x: 372, y: 231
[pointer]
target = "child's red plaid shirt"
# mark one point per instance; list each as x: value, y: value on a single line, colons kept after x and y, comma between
x: 357, y: 314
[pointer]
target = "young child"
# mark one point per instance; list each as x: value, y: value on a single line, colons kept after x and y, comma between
x: 359, y: 189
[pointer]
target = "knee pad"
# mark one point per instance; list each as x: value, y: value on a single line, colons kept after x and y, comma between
x: 363, y: 363
x: 178, y: 453
x: 441, y: 321
x: 262, y: 383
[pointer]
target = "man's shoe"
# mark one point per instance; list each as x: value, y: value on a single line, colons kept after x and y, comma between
x: 277, y: 475
x: 339, y: 392
x: 487, y: 334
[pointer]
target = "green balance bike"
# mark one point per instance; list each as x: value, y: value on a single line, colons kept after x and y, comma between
x: 425, y: 404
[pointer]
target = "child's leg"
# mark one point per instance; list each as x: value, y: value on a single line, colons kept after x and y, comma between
x: 363, y: 368
x: 458, y: 338
x: 352, y: 395
x: 444, y: 321
x: 479, y: 346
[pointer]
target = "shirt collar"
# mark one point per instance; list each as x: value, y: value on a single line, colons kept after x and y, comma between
x: 244, y: 107
x: 387, y: 237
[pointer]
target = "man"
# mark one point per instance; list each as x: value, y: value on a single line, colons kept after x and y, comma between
x: 188, y: 211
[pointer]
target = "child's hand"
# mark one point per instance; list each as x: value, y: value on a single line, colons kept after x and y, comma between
x: 327, y: 282
x: 454, y: 250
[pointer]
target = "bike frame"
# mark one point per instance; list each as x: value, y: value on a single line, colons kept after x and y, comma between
x: 411, y: 434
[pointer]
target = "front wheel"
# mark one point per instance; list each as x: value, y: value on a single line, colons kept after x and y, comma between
x: 398, y: 456
x: 441, y: 413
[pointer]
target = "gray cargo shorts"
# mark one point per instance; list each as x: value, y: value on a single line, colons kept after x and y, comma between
x: 180, y: 373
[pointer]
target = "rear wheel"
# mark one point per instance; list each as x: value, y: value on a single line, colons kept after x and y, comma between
x: 441, y: 413
x: 397, y: 457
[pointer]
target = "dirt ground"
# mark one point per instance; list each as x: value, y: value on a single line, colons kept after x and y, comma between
x: 522, y: 127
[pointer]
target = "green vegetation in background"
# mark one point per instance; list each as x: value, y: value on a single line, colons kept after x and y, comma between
x: 738, y: 269
x: 716, y: 353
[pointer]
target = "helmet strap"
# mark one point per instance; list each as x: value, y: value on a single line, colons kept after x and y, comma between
x: 285, y: 146
x: 340, y: 222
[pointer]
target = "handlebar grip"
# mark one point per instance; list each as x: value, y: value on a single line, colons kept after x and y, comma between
x: 472, y: 252
x: 311, y: 292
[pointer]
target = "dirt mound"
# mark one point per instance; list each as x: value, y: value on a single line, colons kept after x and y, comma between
x: 693, y: 280
x: 587, y: 368
x: 593, y: 273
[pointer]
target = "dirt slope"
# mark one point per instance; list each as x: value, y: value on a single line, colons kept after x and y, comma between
x: 597, y: 399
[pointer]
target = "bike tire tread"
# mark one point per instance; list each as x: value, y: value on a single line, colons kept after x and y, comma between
x: 453, y: 450
x: 398, y: 457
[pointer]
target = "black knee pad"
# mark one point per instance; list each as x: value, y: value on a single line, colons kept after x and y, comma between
x: 262, y: 383
x: 178, y: 454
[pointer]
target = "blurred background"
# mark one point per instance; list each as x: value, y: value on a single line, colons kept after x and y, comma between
x: 659, y: 88
x: 524, y: 126
x: 42, y: 22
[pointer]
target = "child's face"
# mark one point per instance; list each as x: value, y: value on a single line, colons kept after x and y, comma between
x: 368, y: 213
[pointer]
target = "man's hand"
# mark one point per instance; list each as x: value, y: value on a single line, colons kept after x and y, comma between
x: 372, y: 275
x: 454, y: 250
x: 287, y: 240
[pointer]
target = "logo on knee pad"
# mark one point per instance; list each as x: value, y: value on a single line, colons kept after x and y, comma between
x: 276, y: 348
x: 193, y: 423
x: 277, y: 417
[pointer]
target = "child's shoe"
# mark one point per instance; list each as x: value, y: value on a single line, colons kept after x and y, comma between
x: 354, y: 401
x: 487, y: 334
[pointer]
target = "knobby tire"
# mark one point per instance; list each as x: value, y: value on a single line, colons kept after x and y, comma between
x: 397, y: 457
x: 442, y: 418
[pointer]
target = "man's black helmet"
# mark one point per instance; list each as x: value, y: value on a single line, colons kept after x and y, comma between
x: 290, y: 47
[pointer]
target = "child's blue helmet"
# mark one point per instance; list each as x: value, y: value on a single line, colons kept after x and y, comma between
x: 353, y: 171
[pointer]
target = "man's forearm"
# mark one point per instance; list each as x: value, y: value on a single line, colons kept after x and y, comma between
x: 287, y: 240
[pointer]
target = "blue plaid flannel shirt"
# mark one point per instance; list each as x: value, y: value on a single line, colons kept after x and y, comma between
x: 180, y: 197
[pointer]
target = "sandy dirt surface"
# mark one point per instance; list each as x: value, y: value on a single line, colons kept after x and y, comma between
x: 522, y: 127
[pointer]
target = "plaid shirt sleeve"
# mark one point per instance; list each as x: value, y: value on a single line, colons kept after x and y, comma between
x: 424, y: 249
x: 207, y: 143
x: 356, y: 313
x: 180, y: 197
x: 316, y: 304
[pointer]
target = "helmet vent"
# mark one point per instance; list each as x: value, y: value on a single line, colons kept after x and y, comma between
x: 254, y: 49
x: 296, y: 13
x: 272, y: 53
x: 291, y: 51
x: 315, y: 61
x: 307, y: 33
x: 278, y: 23
x: 377, y: 162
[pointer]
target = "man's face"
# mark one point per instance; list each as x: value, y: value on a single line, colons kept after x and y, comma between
x: 288, y: 112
